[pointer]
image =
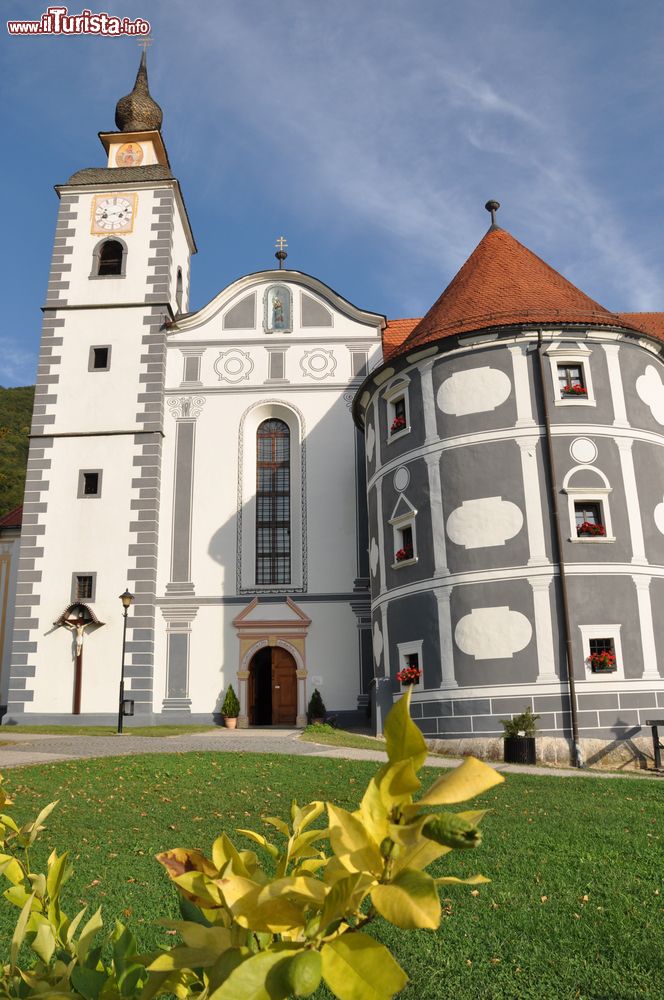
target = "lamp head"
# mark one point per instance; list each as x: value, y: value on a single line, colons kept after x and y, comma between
x: 127, y: 599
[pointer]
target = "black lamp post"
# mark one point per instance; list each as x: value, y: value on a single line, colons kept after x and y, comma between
x: 127, y: 601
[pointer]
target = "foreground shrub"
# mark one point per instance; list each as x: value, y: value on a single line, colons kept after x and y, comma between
x: 261, y: 933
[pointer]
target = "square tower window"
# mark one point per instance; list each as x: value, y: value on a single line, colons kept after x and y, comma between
x: 602, y: 656
x: 100, y: 359
x: 410, y: 668
x: 83, y: 586
x: 89, y: 483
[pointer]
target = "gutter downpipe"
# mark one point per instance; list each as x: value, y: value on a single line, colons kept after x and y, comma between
x: 578, y: 757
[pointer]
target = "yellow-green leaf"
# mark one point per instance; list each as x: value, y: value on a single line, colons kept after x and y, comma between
x: 257, y: 978
x: 258, y: 838
x: 94, y: 924
x: 404, y: 740
x: 409, y: 901
x: 351, y: 843
x: 344, y: 897
x: 58, y: 873
x: 11, y: 869
x: 465, y: 782
x: 44, y: 942
x: 20, y: 929
x: 278, y: 824
x: 356, y: 967
x: 304, y: 817
x: 416, y: 851
x: 187, y: 958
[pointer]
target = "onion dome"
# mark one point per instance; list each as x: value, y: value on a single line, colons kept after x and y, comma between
x: 138, y: 112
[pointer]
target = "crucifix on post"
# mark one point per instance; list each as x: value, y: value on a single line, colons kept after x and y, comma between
x: 77, y: 618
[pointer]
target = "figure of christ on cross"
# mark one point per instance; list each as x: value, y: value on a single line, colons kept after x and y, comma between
x: 77, y: 627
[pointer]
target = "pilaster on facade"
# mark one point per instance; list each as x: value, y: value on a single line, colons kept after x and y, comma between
x: 632, y: 500
x: 376, y: 427
x: 544, y: 638
x: 381, y: 536
x: 446, y: 636
x: 429, y: 402
x: 524, y: 411
x: 178, y: 638
x: 437, y: 514
x: 643, y: 597
x: 533, y: 500
x: 386, y: 640
x: 185, y: 410
x: 616, y: 385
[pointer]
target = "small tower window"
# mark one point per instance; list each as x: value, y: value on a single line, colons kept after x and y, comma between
x: 178, y: 291
x: 109, y: 259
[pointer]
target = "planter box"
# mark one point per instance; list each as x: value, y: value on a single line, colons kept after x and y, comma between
x: 520, y: 750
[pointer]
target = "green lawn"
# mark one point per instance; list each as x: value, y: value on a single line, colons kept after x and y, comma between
x: 330, y: 736
x: 575, y: 909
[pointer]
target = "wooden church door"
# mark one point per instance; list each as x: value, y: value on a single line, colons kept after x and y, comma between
x: 284, y: 687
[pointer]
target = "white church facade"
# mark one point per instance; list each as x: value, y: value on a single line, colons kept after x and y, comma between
x: 302, y: 495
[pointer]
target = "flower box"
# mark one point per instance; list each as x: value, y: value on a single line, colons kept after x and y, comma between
x: 402, y: 554
x: 398, y: 424
x: 574, y: 390
x: 590, y: 530
x: 602, y: 663
x: 409, y: 675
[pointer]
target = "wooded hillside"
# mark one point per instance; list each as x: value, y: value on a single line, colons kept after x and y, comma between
x: 15, y: 418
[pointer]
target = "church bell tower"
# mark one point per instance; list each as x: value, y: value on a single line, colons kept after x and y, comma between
x: 119, y: 275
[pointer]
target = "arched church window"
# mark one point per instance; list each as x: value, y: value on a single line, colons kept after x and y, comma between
x: 273, y: 503
x: 111, y: 258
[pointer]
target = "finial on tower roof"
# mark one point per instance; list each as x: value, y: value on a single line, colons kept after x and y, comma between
x: 493, y: 206
x: 138, y: 111
x: 281, y: 251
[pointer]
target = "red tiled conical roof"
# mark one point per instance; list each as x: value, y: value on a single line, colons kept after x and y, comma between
x: 504, y: 284
x: 13, y: 519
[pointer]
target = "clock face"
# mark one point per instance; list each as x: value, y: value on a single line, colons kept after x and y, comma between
x: 113, y: 213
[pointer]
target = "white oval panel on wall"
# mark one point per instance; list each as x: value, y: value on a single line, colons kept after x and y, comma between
x: 473, y: 391
x: 401, y: 479
x: 493, y: 633
x: 373, y: 556
x: 371, y: 440
x: 377, y: 643
x: 487, y: 521
x: 651, y: 391
x: 659, y: 516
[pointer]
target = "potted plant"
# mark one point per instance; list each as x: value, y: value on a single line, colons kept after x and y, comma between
x: 519, y: 739
x: 316, y: 712
x: 398, y: 424
x: 230, y: 708
x: 402, y: 554
x: 574, y: 390
x: 603, y: 663
x: 591, y: 530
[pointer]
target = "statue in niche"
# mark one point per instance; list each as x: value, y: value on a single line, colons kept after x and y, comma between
x: 277, y: 309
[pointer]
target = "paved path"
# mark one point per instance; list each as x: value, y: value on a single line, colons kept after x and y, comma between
x: 36, y: 748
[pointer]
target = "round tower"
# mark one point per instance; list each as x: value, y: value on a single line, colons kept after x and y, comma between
x: 515, y: 473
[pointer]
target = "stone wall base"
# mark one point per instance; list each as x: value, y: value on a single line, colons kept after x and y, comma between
x: 634, y: 754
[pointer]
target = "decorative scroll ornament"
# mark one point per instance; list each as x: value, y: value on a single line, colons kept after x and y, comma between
x: 186, y: 406
x: 233, y: 366
x: 318, y: 363
x: 348, y: 399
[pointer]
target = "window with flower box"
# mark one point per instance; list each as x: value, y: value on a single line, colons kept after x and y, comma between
x: 410, y: 672
x: 602, y: 656
x: 602, y: 652
x: 570, y: 373
x: 398, y: 410
x: 571, y: 383
x: 589, y: 511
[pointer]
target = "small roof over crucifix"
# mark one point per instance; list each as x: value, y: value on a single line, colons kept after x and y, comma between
x: 281, y: 251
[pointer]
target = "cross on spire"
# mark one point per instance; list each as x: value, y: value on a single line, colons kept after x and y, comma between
x: 281, y: 251
x: 143, y: 43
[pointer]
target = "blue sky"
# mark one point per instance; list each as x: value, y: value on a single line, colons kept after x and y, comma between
x: 369, y: 134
